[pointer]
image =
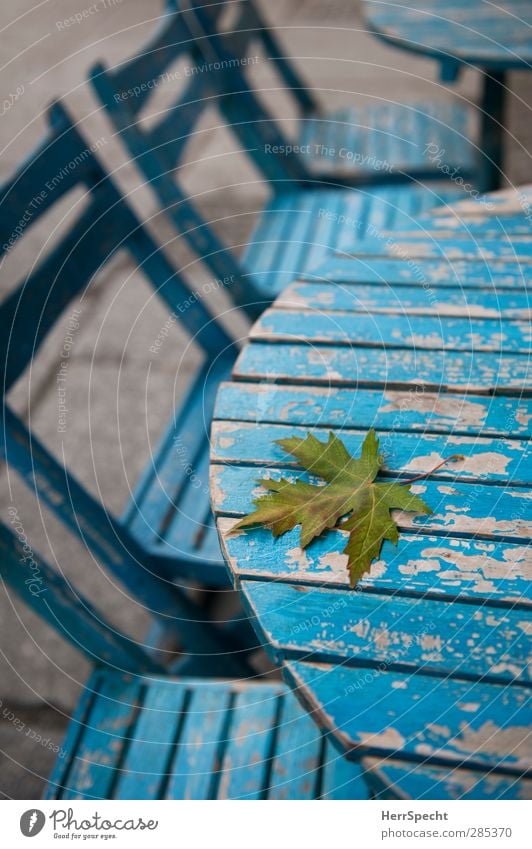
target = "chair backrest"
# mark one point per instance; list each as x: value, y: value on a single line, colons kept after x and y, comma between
x: 158, y: 149
x: 106, y: 225
x: 55, y: 600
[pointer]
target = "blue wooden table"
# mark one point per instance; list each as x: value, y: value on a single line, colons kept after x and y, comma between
x: 492, y: 37
x: 426, y: 663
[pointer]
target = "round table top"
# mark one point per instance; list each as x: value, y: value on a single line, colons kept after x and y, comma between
x: 427, y: 659
x: 487, y: 35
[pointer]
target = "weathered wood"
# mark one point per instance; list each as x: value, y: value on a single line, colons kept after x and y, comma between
x: 425, y: 273
x: 409, y: 410
x: 401, y: 330
x: 413, y: 300
x: 390, y: 780
x: 412, y: 634
x: 153, y: 738
x: 420, y: 564
x: 474, y: 373
x: 495, y: 460
x: 437, y: 720
x: 509, y: 249
x: 462, y: 509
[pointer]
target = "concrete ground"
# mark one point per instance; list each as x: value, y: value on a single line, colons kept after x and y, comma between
x: 111, y: 424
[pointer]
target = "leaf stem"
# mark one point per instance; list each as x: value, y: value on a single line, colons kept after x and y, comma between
x: 452, y: 459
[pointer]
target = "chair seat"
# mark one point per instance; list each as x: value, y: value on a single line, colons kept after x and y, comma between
x: 383, y: 138
x: 145, y: 738
x: 298, y: 229
x: 169, y: 513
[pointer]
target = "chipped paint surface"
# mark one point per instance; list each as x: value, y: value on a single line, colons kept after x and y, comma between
x: 435, y: 376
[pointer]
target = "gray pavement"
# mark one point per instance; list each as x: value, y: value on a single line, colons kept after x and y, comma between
x: 111, y: 424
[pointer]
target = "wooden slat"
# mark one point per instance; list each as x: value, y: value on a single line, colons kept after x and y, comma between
x: 395, y: 299
x: 361, y: 629
x: 382, y: 409
x: 250, y: 745
x: 495, y: 460
x: 392, y: 780
x: 342, y: 779
x: 482, y: 372
x: 459, y: 509
x: 93, y: 765
x: 192, y: 773
x: 150, y: 750
x: 420, y: 564
x: 513, y: 249
x: 419, y: 717
x: 402, y: 330
x: 298, y: 751
x: 433, y: 273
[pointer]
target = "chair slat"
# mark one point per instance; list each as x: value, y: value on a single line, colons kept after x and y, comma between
x: 298, y: 752
x: 149, y: 752
x: 250, y: 745
x: 193, y: 772
x: 93, y: 770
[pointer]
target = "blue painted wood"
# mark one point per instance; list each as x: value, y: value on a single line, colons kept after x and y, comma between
x: 443, y: 567
x: 429, y: 658
x: 476, y: 373
x: 508, y: 249
x: 299, y: 744
x: 410, y: 410
x: 410, y: 716
x: 297, y: 230
x: 492, y: 38
x: 187, y: 739
x: 93, y: 765
x: 194, y: 769
x: 486, y: 460
x: 267, y: 266
x: 430, y: 273
x: 87, y: 518
x: 415, y: 300
x: 339, y: 779
x: 151, y: 749
x: 412, y: 634
x: 404, y: 329
x: 390, y: 780
x: 467, y: 509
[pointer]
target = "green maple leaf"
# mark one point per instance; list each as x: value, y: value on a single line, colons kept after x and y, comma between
x: 349, y: 491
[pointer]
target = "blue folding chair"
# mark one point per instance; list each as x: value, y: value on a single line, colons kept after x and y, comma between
x: 138, y: 733
x: 156, y: 528
x: 306, y: 218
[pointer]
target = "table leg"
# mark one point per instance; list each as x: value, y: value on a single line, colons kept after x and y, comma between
x: 492, y: 130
